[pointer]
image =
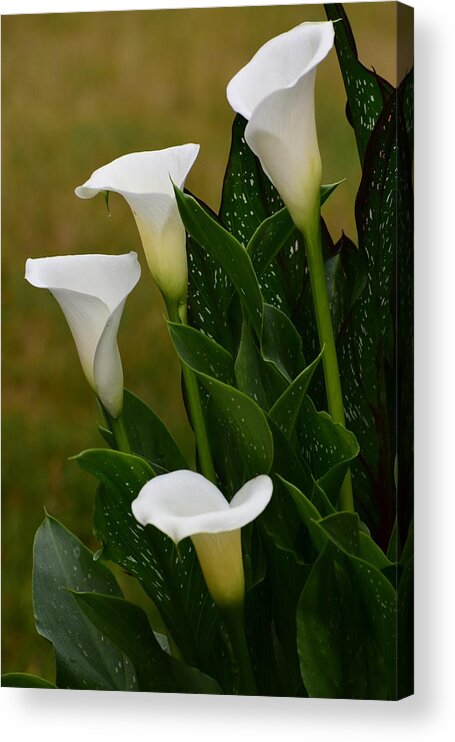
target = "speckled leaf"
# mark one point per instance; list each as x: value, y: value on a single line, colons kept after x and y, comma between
x: 84, y: 658
x: 127, y: 627
x: 226, y: 250
x: 365, y: 90
x: 269, y: 238
x: 209, y: 294
x: 173, y: 580
x: 281, y: 343
x: 367, y: 346
x: 199, y: 351
x: 243, y: 202
x: 346, y: 278
x: 346, y: 629
x: 308, y: 514
x: 148, y: 436
x: 406, y: 93
x: 327, y: 447
x: 237, y: 416
x: 286, y: 409
x: 24, y: 680
x: 254, y: 376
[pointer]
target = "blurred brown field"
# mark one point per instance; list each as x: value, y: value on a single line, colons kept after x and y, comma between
x: 77, y: 91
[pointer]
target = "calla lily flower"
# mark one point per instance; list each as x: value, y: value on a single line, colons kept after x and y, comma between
x: 184, y: 503
x: 92, y: 290
x: 275, y: 93
x: 145, y: 180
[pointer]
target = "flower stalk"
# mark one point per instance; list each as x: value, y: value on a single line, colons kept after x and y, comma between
x: 312, y: 234
x: 236, y: 628
x: 178, y: 314
x: 120, y: 434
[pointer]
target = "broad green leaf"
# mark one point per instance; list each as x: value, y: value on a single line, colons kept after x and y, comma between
x: 237, y: 428
x: 286, y: 409
x: 248, y: 199
x: 286, y: 577
x: 197, y: 350
x: 308, y: 513
x: 237, y: 416
x: 254, y: 376
x: 327, y: 447
x: 243, y: 203
x: 226, y: 250
x: 346, y: 278
x: 127, y: 627
x: 365, y: 90
x: 275, y: 232
x: 281, y: 343
x: 373, y: 358
x: 343, y: 530
x: 172, y: 579
x: 84, y: 657
x: 24, y: 680
x: 269, y: 238
x: 209, y: 294
x: 406, y: 93
x: 148, y: 436
x: 346, y: 629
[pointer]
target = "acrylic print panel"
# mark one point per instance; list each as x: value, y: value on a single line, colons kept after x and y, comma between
x: 224, y: 445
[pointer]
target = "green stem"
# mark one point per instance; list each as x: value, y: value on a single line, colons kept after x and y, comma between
x: 234, y: 623
x: 327, y: 340
x: 194, y: 402
x: 120, y: 435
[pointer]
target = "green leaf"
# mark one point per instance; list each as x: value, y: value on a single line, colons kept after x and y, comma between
x: 241, y: 441
x: 196, y: 349
x: 243, y: 202
x: 241, y: 420
x: 374, y: 349
x: 226, y: 250
x: 281, y: 343
x: 209, y: 294
x: 126, y: 625
x: 406, y: 94
x: 84, y: 657
x: 327, y: 447
x: 308, y: 513
x: 328, y: 189
x: 24, y: 680
x: 269, y: 238
x: 346, y: 278
x: 172, y: 579
x: 365, y: 90
x: 346, y: 629
x: 254, y: 376
x: 286, y: 409
x: 149, y: 437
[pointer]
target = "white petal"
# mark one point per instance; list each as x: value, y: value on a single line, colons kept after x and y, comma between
x: 279, y: 64
x: 275, y: 92
x: 91, y: 290
x: 143, y: 172
x: 145, y: 180
x: 282, y: 134
x: 184, y: 503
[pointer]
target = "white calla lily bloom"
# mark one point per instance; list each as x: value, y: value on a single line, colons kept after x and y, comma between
x: 184, y: 503
x: 275, y: 93
x: 145, y: 180
x: 92, y: 290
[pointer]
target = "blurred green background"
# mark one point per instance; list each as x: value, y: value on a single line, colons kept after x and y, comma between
x: 78, y: 91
